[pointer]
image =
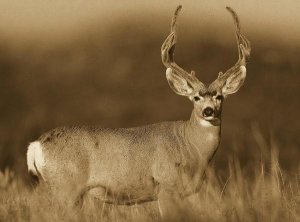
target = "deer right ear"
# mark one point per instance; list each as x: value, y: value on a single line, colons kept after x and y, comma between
x: 178, y: 83
x: 234, y: 82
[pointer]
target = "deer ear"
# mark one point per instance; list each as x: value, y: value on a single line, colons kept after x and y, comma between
x: 234, y: 82
x: 178, y: 83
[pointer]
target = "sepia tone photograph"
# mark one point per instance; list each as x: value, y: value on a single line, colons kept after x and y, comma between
x: 149, y: 110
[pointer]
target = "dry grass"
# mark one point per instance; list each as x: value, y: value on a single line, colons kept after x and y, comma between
x: 265, y: 193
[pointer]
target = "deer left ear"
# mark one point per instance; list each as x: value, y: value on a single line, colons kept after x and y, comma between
x: 234, y: 82
x: 178, y: 83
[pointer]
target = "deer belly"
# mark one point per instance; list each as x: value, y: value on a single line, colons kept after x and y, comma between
x: 125, y: 192
x: 121, y: 184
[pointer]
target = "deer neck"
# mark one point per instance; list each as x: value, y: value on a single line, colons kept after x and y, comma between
x: 202, y: 136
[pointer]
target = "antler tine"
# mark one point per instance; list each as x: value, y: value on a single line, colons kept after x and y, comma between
x: 244, y: 47
x: 241, y: 39
x: 168, y: 49
x: 174, y: 19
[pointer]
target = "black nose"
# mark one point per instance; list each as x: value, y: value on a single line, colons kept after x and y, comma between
x: 207, y: 112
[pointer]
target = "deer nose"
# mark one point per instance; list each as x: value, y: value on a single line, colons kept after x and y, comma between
x: 208, y: 111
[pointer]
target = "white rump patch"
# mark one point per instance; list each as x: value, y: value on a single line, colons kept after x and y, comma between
x: 35, y: 158
x: 205, y: 123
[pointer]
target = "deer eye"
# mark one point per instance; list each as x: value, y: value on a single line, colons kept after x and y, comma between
x: 219, y: 97
x: 196, y: 98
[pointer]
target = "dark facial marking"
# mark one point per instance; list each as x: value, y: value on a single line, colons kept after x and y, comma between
x: 212, y: 93
x: 196, y: 98
x: 208, y: 93
x: 219, y: 97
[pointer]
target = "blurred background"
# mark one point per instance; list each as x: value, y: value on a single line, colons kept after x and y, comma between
x: 98, y: 63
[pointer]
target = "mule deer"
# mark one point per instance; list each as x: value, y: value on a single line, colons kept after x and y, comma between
x: 134, y: 165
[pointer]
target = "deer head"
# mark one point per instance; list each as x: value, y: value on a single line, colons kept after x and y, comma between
x: 207, y: 99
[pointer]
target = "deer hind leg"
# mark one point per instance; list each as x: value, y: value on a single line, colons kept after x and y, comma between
x: 93, y: 197
x: 94, y: 192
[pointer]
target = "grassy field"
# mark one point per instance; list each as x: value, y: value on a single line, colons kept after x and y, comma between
x: 113, y: 77
x: 269, y: 194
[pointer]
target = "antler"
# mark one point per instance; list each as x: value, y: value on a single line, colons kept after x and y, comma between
x: 167, y: 54
x: 244, y: 50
